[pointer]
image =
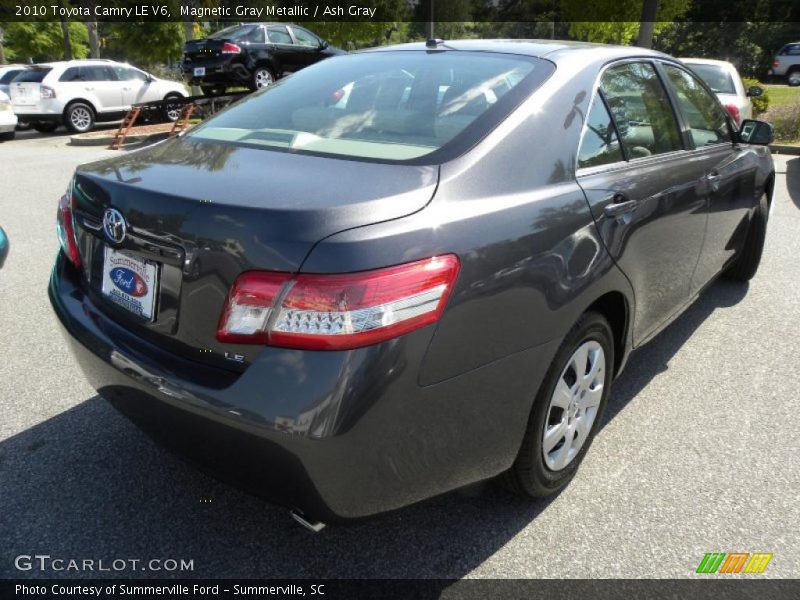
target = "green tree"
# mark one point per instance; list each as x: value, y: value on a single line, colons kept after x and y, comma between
x: 44, y: 40
x: 590, y: 21
x: 146, y: 43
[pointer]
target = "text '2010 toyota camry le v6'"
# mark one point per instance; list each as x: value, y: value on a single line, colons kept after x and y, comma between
x: 408, y: 269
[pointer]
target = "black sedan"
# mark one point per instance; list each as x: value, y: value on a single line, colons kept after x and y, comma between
x: 409, y: 269
x: 254, y: 55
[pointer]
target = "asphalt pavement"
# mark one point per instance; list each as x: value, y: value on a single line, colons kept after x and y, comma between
x: 699, y: 452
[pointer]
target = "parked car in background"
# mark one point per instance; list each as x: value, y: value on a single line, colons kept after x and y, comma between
x: 4, y: 247
x: 8, y: 120
x: 786, y: 64
x: 430, y: 284
x: 7, y: 74
x: 724, y: 80
x: 252, y: 55
x: 79, y: 93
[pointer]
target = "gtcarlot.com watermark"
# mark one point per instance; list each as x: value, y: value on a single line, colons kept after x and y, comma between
x: 54, y: 564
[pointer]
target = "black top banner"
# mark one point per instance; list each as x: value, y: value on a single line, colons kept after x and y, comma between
x: 532, y: 11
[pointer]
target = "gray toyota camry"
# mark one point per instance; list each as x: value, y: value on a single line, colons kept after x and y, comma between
x: 404, y: 270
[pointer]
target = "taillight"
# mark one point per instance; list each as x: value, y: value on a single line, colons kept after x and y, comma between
x: 733, y: 111
x: 337, y: 312
x: 46, y: 92
x: 65, y: 229
x: 776, y: 63
x: 229, y: 48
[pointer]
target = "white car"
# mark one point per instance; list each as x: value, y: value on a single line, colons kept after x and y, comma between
x: 8, y: 120
x: 78, y: 93
x: 7, y: 74
x: 725, y: 81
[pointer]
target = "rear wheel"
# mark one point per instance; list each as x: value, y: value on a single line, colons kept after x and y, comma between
x: 172, y: 107
x: 45, y: 127
x: 212, y: 90
x: 567, y: 410
x: 262, y: 77
x: 745, y: 266
x: 79, y: 117
x: 793, y: 78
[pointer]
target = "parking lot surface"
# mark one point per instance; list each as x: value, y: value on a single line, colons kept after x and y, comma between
x: 699, y: 450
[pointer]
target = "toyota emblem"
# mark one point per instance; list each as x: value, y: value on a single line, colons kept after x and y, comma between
x: 114, y: 225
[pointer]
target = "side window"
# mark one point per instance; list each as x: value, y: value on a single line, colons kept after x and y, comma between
x: 641, y: 110
x: 129, y: 74
x: 71, y: 74
x: 279, y: 35
x: 255, y: 35
x: 305, y: 38
x: 599, y: 143
x: 97, y: 73
x: 708, y: 122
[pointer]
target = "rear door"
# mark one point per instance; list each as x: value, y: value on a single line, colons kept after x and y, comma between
x: 728, y: 183
x: 643, y: 190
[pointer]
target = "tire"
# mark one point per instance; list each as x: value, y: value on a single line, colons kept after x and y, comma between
x: 45, y: 127
x: 79, y: 117
x: 262, y: 77
x: 7, y: 136
x: 746, y: 264
x: 212, y: 90
x: 172, y: 112
x: 793, y: 78
x: 536, y: 473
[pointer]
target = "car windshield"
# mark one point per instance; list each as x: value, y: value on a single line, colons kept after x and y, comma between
x: 717, y: 78
x: 34, y: 75
x: 232, y: 33
x: 392, y: 106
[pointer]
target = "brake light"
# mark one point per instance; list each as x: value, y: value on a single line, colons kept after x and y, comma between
x: 337, y: 312
x: 776, y: 63
x: 65, y: 229
x: 733, y: 111
x: 46, y: 92
x: 229, y: 48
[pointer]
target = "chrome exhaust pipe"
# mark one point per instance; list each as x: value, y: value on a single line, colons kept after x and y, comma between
x: 310, y: 524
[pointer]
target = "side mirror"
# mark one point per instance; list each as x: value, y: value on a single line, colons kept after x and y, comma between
x: 756, y: 132
x: 755, y: 91
x: 3, y: 247
x: 323, y: 44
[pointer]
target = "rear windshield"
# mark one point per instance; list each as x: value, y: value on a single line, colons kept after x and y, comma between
x: 232, y: 33
x: 35, y: 75
x: 717, y: 78
x: 9, y: 75
x: 388, y: 106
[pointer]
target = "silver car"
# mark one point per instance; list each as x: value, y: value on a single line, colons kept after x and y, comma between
x: 7, y: 74
x: 725, y: 81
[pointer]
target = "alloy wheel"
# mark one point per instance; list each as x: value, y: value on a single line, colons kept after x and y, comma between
x: 263, y: 78
x: 80, y: 118
x: 573, y: 405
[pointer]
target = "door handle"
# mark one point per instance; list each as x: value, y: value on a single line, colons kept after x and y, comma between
x: 713, y: 179
x: 619, y: 206
x: 89, y: 89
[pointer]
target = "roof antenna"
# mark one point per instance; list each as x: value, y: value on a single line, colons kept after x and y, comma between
x: 431, y: 42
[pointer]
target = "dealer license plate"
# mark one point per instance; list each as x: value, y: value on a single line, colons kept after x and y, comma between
x: 130, y: 282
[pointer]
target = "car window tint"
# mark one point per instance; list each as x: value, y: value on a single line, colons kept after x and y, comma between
x: 235, y: 32
x: 129, y: 74
x: 388, y: 105
x: 279, y: 35
x: 71, y: 74
x: 641, y: 110
x: 599, y: 143
x: 9, y: 75
x: 96, y: 73
x: 305, y: 38
x: 791, y: 50
x: 708, y: 122
x: 255, y: 36
x: 34, y: 75
x: 717, y: 78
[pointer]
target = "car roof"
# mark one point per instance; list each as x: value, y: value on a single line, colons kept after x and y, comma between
x: 75, y: 63
x: 708, y: 61
x: 550, y: 49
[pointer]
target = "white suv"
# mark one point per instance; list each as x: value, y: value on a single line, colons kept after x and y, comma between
x: 78, y: 93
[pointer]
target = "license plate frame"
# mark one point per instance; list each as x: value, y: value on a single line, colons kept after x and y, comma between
x: 130, y: 282
x: 199, y: 71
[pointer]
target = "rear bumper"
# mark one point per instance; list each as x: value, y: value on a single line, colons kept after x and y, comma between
x: 34, y: 117
x: 337, y: 435
x: 230, y: 73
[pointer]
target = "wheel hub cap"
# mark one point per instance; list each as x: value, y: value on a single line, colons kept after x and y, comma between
x: 573, y: 405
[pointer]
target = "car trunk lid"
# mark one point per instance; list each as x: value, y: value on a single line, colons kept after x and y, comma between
x: 204, y: 212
